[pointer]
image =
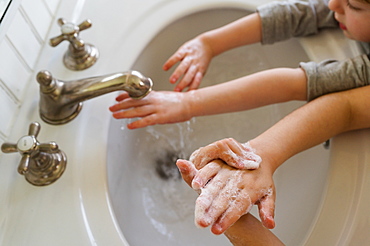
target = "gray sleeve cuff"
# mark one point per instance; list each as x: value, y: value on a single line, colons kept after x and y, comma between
x: 333, y: 76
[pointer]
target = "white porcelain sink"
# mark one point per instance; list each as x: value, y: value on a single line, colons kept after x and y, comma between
x: 112, y: 193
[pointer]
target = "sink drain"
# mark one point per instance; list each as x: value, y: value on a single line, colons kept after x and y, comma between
x: 166, y: 167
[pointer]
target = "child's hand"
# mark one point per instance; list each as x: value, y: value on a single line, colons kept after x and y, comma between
x: 156, y: 108
x: 233, y: 153
x: 194, y: 57
x: 229, y: 193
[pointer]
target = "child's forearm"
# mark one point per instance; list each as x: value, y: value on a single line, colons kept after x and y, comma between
x: 256, y: 90
x: 314, y: 123
x: 247, y: 30
x: 248, y: 230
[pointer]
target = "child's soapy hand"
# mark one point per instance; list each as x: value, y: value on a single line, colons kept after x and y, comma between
x: 194, y: 57
x: 156, y: 108
x: 229, y: 193
x: 233, y: 153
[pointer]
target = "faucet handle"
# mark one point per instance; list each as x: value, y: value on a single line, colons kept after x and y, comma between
x: 25, y: 143
x: 79, y: 55
x: 34, y: 129
x: 9, y: 148
x: 83, y: 26
x: 41, y: 164
x: 70, y: 32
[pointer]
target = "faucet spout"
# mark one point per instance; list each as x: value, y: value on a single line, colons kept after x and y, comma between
x: 61, y: 101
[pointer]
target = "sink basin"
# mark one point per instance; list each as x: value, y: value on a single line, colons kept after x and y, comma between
x: 150, y: 201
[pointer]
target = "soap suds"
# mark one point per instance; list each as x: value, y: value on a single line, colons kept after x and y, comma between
x: 248, y: 159
x: 221, y: 200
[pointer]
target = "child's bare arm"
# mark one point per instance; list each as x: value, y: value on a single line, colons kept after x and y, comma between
x: 256, y: 90
x: 306, y: 127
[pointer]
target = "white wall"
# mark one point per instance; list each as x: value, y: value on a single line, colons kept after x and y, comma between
x: 22, y: 37
x: 19, y: 50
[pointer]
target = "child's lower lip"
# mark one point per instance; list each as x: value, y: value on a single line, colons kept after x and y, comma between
x: 342, y: 26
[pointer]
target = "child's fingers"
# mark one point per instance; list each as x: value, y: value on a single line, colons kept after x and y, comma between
x: 187, y: 170
x: 266, y: 207
x: 205, y: 174
x: 236, y: 209
x: 122, y: 96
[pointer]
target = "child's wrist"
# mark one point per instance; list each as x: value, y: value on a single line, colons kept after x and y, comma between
x: 208, y: 42
x: 270, y: 158
x: 190, y: 104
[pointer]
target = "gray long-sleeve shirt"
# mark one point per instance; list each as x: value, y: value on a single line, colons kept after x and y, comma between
x: 283, y: 20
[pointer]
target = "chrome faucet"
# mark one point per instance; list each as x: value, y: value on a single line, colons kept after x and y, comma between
x: 61, y: 101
